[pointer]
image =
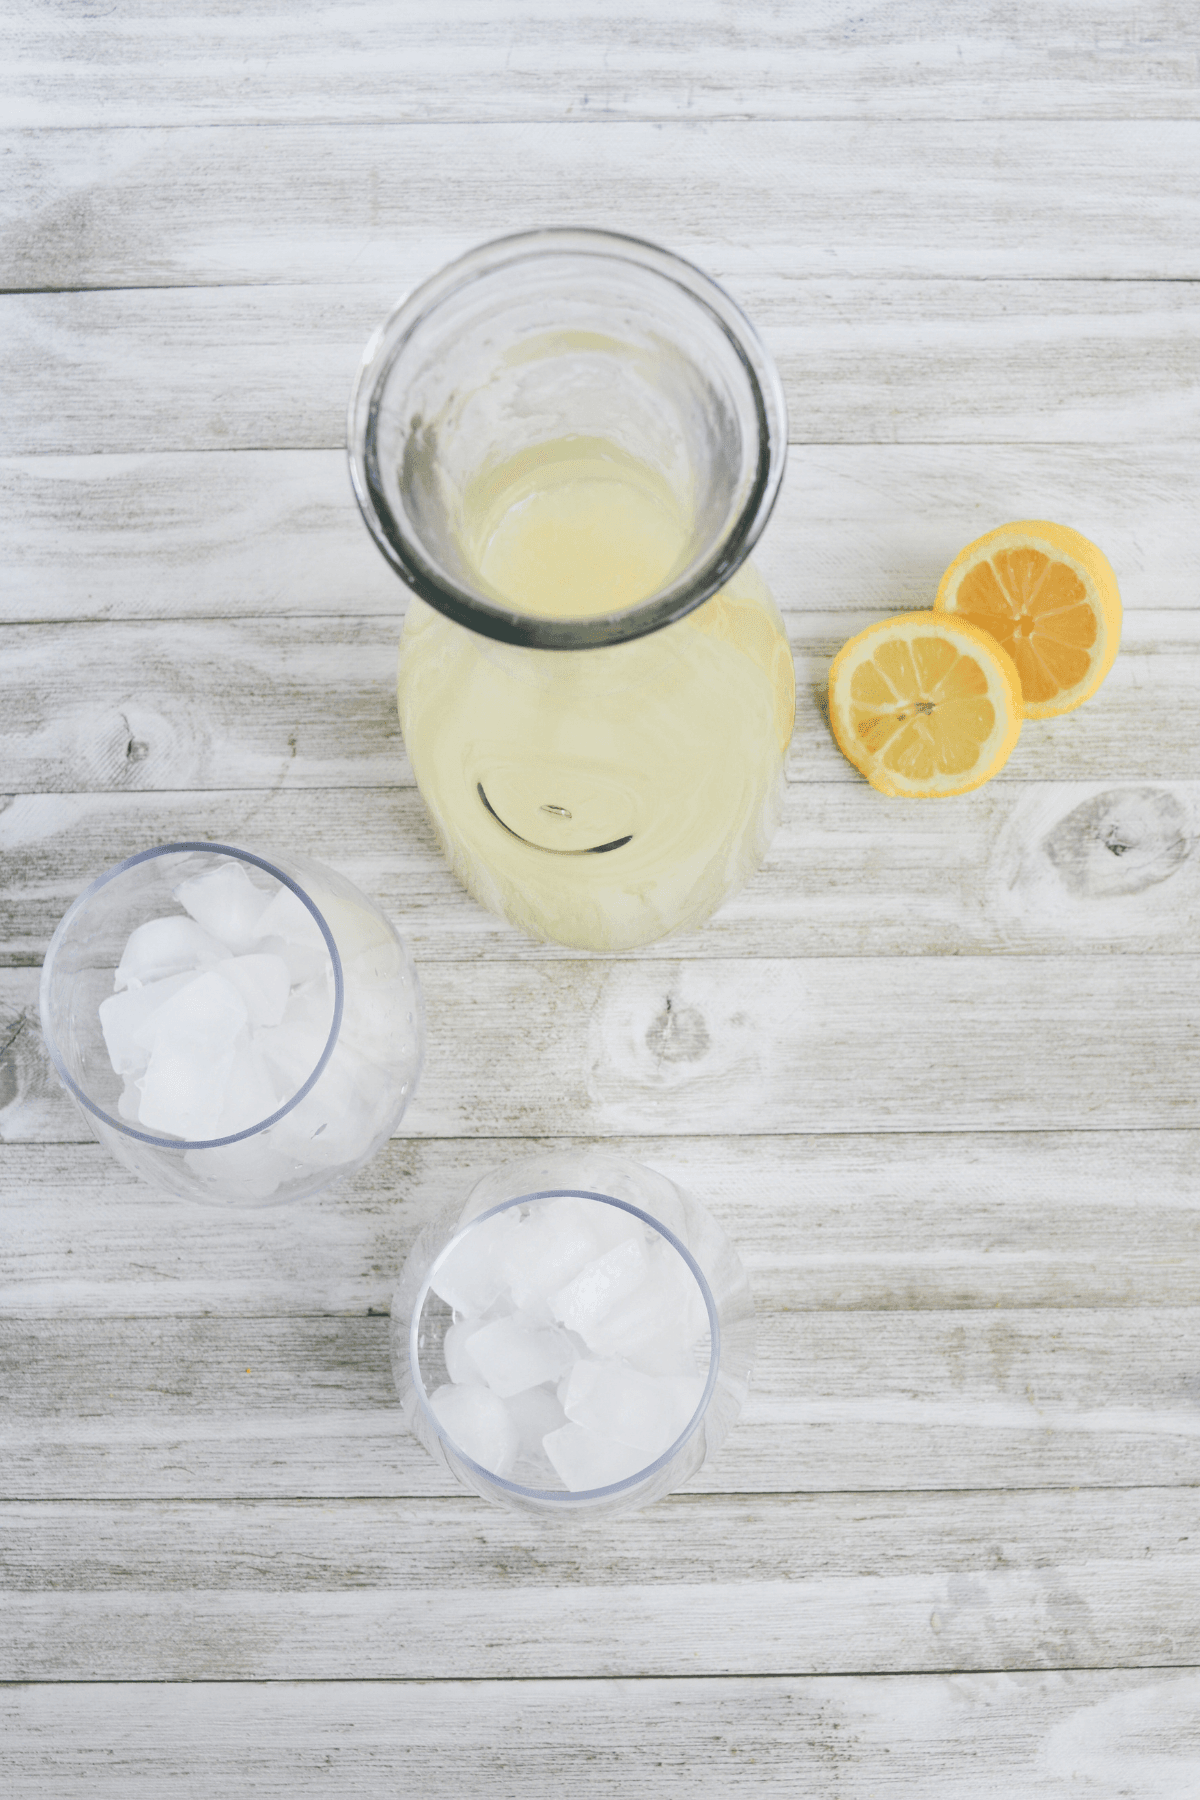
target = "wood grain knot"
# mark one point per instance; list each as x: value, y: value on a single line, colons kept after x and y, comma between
x: 11, y: 1031
x: 122, y: 746
x: 26, y: 1073
x: 1120, y: 842
x: 678, y: 1034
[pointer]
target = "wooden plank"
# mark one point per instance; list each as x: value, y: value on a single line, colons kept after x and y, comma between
x: 387, y: 205
x: 767, y: 1045
x: 439, y: 1590
x: 221, y: 534
x: 201, y: 1407
x: 229, y: 534
x: 862, y: 360
x: 268, y: 704
x: 202, y: 700
x: 879, y: 1222
x: 156, y: 64
x: 1109, y: 1733
x: 1061, y: 868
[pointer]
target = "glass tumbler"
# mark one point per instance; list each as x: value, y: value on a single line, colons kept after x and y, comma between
x: 577, y: 1337
x: 566, y: 444
x: 234, y: 1028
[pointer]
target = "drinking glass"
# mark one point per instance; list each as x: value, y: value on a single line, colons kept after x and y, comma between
x: 671, y: 1221
x: 349, y: 1043
x: 566, y: 445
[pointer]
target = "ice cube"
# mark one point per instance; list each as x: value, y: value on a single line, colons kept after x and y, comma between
x: 288, y: 918
x: 292, y: 1052
x: 477, y: 1422
x: 123, y: 1016
x: 250, y: 1095
x: 583, y: 1459
x: 312, y: 1004
x: 647, y: 1412
x: 251, y: 1170
x: 533, y: 1311
x: 551, y: 1246
x: 511, y: 1357
x: 129, y: 1102
x: 264, y: 984
x: 305, y: 962
x: 195, y: 1036
x: 164, y: 947
x: 535, y: 1413
x: 585, y: 1299
x: 470, y: 1279
x: 657, y: 1324
x: 216, y: 997
x: 227, y: 903
x: 343, y: 1113
x: 611, y: 1225
x: 459, y: 1366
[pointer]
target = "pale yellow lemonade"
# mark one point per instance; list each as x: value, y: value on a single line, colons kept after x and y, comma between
x: 599, y: 798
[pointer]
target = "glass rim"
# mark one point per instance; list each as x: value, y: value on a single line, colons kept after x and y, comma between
x: 468, y: 606
x: 55, y: 944
x: 567, y: 1497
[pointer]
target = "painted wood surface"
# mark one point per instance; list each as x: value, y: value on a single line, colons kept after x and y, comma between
x: 897, y: 1401
x: 934, y: 1069
x: 761, y: 205
x: 915, y: 1737
x: 297, y: 703
x: 857, y: 528
x: 156, y: 62
x: 949, y: 1222
x: 1023, y: 868
x: 430, y: 1590
x: 838, y: 1044
x: 862, y: 360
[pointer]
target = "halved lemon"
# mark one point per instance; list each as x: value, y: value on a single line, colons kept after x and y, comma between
x: 1048, y: 597
x: 925, y: 704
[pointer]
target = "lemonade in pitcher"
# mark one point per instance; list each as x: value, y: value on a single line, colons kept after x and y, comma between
x: 595, y: 689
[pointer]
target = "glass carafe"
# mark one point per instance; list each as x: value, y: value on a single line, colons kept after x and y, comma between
x: 566, y: 444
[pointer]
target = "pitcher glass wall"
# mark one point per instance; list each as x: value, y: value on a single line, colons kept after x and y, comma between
x: 566, y: 444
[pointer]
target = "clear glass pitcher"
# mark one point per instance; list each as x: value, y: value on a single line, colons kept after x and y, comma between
x: 566, y: 444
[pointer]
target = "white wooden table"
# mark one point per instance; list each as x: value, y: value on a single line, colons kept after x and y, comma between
x: 936, y: 1069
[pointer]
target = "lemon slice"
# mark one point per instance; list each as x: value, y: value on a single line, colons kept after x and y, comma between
x: 925, y: 704
x: 1048, y: 597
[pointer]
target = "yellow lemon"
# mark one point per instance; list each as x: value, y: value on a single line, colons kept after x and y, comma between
x: 925, y: 704
x: 1048, y: 597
